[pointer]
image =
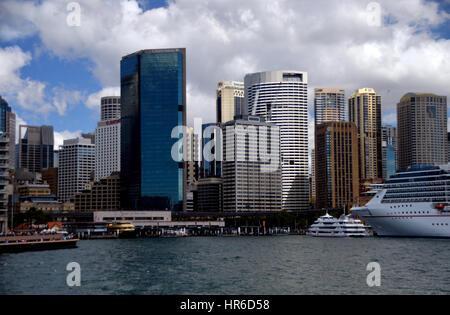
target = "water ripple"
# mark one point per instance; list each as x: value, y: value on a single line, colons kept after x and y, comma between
x: 251, y: 265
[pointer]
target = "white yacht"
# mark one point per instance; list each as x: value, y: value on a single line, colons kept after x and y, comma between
x: 345, y: 226
x: 412, y: 203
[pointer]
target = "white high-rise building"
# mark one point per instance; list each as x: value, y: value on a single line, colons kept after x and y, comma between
x: 110, y: 108
x: 76, y: 164
x: 281, y: 97
x: 107, y: 138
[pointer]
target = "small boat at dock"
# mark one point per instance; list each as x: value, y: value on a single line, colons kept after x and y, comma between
x: 38, y: 242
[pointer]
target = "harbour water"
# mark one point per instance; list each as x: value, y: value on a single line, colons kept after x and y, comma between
x: 233, y: 265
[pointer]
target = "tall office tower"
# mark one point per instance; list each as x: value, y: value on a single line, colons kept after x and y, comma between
x: 448, y: 146
x: 4, y: 181
x: 329, y: 105
x: 229, y: 101
x: 337, y: 165
x: 190, y: 152
x: 389, y: 160
x: 56, y: 158
x: 36, y: 148
x: 76, y: 163
x: 281, y: 97
x: 312, y: 186
x: 211, y: 163
x: 153, y: 97
x: 251, y: 166
x: 110, y: 108
x: 8, y: 127
x: 365, y: 111
x: 422, y: 130
x: 389, y: 147
x: 390, y: 135
x: 107, y: 139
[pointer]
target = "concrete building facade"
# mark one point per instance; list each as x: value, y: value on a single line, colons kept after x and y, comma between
x: 229, y: 100
x: 329, y: 105
x: 337, y: 165
x: 107, y: 143
x: 110, y: 108
x: 76, y: 165
x: 422, y: 130
x: 4, y: 181
x: 103, y: 195
x: 365, y: 112
x: 281, y: 97
x: 251, y: 175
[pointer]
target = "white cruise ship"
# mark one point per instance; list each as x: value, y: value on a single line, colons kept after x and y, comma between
x: 345, y: 226
x: 412, y: 203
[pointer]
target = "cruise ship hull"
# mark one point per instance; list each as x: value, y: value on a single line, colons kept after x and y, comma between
x: 419, y: 220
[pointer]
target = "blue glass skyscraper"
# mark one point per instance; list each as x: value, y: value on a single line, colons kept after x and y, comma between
x: 4, y: 108
x: 211, y: 168
x: 8, y: 129
x: 153, y: 96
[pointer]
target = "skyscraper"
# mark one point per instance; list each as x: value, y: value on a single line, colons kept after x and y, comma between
x: 389, y: 160
x: 76, y: 164
x: 211, y: 164
x: 36, y: 148
x: 448, y: 146
x: 389, y: 146
x: 390, y: 135
x: 251, y: 174
x: 329, y: 105
x: 190, y: 152
x: 337, y: 165
x: 110, y: 108
x: 281, y: 97
x: 107, y: 138
x: 312, y: 180
x: 8, y: 127
x: 4, y: 181
x: 229, y: 101
x: 422, y: 130
x: 365, y: 111
x: 153, y: 97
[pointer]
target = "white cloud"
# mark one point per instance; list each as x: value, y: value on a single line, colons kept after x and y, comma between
x: 30, y: 95
x: 62, y: 99
x: 65, y: 135
x: 226, y: 39
x: 19, y: 122
x: 93, y: 100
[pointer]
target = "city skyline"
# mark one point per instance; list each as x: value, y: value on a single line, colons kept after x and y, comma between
x: 68, y: 95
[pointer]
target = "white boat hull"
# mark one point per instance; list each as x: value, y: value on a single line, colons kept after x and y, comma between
x: 417, y: 220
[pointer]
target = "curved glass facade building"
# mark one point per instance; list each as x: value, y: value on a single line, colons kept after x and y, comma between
x: 153, y: 102
x: 281, y: 97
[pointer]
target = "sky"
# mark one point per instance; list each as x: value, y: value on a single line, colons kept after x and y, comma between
x: 53, y: 70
